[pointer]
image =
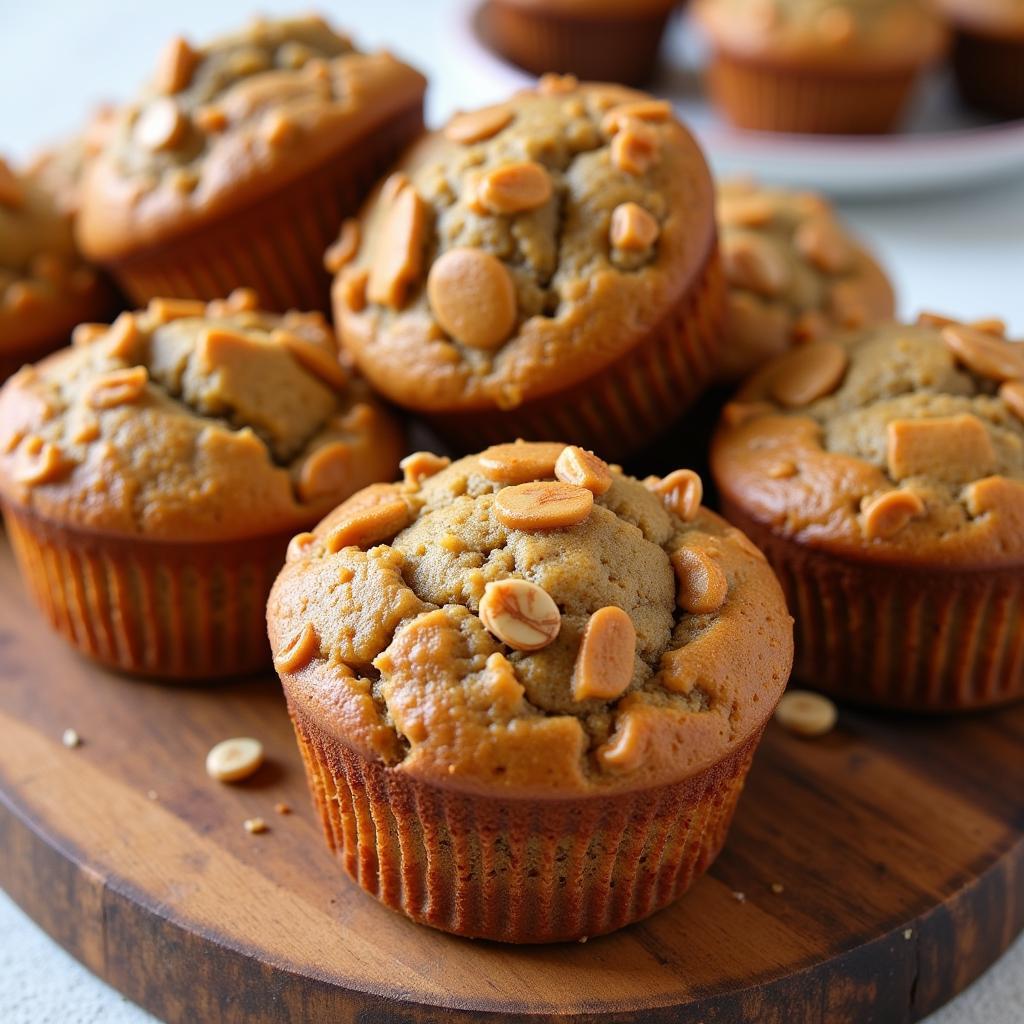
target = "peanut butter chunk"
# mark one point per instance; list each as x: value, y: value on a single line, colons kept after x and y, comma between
x: 632, y: 228
x: 369, y: 525
x: 634, y: 148
x: 299, y: 651
x: 419, y: 466
x: 604, y: 665
x: 951, y: 448
x: 520, y: 614
x: 889, y: 513
x: 473, y: 297
x: 520, y: 463
x: 398, y: 257
x: 985, y: 354
x: 682, y: 492
x: 809, y: 373
x: 754, y: 263
x: 543, y: 506
x: 583, y: 469
x: 702, y: 584
x: 175, y: 65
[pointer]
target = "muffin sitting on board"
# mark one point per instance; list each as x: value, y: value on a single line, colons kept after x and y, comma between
x: 152, y: 474
x: 239, y: 160
x: 794, y: 274
x: 546, y: 267
x: 528, y: 711
x: 882, y: 472
x: 818, y: 66
x: 45, y: 285
x: 603, y: 40
x: 988, y: 53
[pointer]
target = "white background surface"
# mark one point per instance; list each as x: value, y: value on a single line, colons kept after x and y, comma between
x: 958, y: 253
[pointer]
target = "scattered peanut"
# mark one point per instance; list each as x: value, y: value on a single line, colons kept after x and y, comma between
x: 254, y: 826
x: 702, y: 584
x: 299, y: 651
x: 634, y: 148
x: 175, y: 65
x: 472, y: 295
x: 824, y: 245
x: 520, y: 614
x: 160, y: 126
x: 343, y: 251
x: 984, y: 353
x: 1012, y: 393
x: 235, y: 759
x: 805, y: 714
x: 889, y: 513
x: 119, y: 387
x: 398, y: 258
x: 651, y: 111
x: 369, y: 525
x: 583, y: 469
x: 514, y: 188
x: 604, y: 665
x: 809, y: 373
x: 754, y: 263
x: 71, y: 739
x: 327, y: 471
x: 478, y: 125
x: 163, y: 311
x: 520, y: 463
x: 632, y: 228
x: 681, y: 491
x: 318, y: 360
x: 545, y: 505
x: 419, y: 466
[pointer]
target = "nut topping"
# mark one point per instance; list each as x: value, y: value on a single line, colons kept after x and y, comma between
x: 652, y: 111
x: 951, y: 448
x: 754, y: 263
x: 583, y: 469
x: 235, y: 759
x: 119, y: 387
x: 299, y: 651
x: 314, y: 358
x: 123, y: 337
x: 398, y: 258
x: 627, y: 745
x: 822, y: 243
x: 702, y: 584
x: 520, y: 463
x: 514, y: 187
x: 344, y: 249
x: 327, y: 471
x: 809, y: 373
x: 634, y: 147
x: 681, y: 491
x: 545, y: 505
x: 633, y: 228
x: 1012, y: 393
x: 299, y: 546
x: 39, y: 462
x: 477, y: 125
x: 472, y: 295
x: 984, y: 353
x: 604, y: 665
x: 160, y: 126
x: 889, y: 513
x: 163, y: 311
x: 419, y: 466
x: 520, y: 614
x: 806, y: 714
x: 175, y: 65
x: 369, y: 525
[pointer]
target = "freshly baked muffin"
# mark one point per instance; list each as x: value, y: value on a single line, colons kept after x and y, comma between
x: 988, y: 53
x: 546, y: 267
x: 603, y: 40
x: 844, y: 67
x: 527, y: 688
x: 794, y: 274
x: 882, y: 472
x: 45, y: 285
x: 240, y: 159
x: 152, y: 474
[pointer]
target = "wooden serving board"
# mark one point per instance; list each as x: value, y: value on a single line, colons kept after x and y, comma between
x: 899, y: 844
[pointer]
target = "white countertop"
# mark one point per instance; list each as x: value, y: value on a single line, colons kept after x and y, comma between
x: 961, y: 254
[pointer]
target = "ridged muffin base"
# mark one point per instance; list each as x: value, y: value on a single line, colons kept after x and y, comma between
x: 169, y: 610
x: 902, y: 637
x: 517, y: 869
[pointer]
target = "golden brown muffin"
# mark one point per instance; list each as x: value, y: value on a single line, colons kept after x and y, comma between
x: 602, y: 40
x: 152, y: 474
x: 794, y: 274
x: 845, y: 67
x: 883, y: 474
x: 45, y: 285
x: 543, y: 267
x: 988, y: 53
x: 241, y: 157
x: 542, y: 679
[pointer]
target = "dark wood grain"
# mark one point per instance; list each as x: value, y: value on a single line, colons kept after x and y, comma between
x: 899, y: 843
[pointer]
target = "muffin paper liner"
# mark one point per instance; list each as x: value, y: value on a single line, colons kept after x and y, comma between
x: 990, y: 72
x: 766, y: 97
x: 628, y: 402
x: 155, y: 608
x: 623, y: 49
x: 517, y: 869
x: 275, y: 245
x: 899, y: 636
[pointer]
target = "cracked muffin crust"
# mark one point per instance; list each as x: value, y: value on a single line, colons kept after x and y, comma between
x: 46, y: 287
x: 518, y: 626
x: 883, y: 473
x: 286, y: 114
x: 213, y: 430
x: 794, y: 274
x: 548, y: 262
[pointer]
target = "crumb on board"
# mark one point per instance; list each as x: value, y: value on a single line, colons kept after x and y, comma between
x: 254, y: 825
x: 70, y: 738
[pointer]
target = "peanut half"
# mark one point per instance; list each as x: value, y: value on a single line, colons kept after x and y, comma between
x: 520, y: 614
x: 604, y: 665
x: 545, y: 505
x: 583, y: 469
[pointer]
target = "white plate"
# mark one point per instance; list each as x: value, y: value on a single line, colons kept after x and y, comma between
x: 943, y: 146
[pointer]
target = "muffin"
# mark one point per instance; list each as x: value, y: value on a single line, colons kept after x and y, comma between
x: 45, y: 285
x: 882, y: 472
x: 988, y: 53
x: 528, y: 711
x: 603, y: 40
x: 817, y: 65
x: 240, y: 159
x: 152, y: 474
x: 794, y: 274
x: 546, y: 267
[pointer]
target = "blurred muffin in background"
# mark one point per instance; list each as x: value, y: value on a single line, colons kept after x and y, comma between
x: 794, y: 274
x: 818, y: 66
x: 46, y: 287
x: 239, y: 160
x: 601, y: 40
x: 988, y: 53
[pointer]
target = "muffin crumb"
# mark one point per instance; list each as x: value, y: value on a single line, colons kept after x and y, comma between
x: 71, y: 739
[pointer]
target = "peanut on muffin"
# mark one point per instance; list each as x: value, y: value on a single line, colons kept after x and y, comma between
x: 521, y: 665
x: 543, y: 267
x: 239, y: 159
x: 883, y: 474
x: 794, y: 274
x: 151, y: 476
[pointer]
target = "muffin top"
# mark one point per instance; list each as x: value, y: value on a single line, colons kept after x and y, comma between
x: 878, y: 32
x: 523, y: 247
x: 192, y: 422
x: 794, y: 273
x: 897, y: 444
x: 229, y: 122
x: 45, y: 286
x: 986, y: 16
x: 531, y: 620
